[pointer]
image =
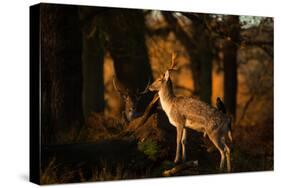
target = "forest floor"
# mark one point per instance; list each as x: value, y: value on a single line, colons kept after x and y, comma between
x: 146, y: 151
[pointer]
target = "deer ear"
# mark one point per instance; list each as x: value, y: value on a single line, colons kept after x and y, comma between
x: 167, y: 75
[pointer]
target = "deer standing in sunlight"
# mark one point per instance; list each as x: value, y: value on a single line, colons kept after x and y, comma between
x: 188, y: 112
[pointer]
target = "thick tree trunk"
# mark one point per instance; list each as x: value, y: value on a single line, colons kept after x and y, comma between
x: 230, y: 48
x: 202, y: 58
x: 93, y: 81
x: 200, y: 48
x: 61, y: 77
x: 205, y: 79
x: 93, y: 59
x: 126, y: 44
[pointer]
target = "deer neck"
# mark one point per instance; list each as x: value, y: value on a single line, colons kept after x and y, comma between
x: 166, y: 95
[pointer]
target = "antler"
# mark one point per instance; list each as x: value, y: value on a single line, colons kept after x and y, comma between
x: 145, y: 89
x: 173, y: 63
x: 119, y: 88
x: 114, y: 85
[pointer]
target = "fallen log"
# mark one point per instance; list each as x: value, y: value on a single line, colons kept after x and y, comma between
x: 179, y: 168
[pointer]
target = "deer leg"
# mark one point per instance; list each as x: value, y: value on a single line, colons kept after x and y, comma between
x: 222, y: 160
x: 217, y: 141
x: 228, y: 159
x: 183, y: 142
x: 179, y: 136
x: 227, y: 153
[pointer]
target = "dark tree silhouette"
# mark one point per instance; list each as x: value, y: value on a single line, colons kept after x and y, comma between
x: 199, y: 45
x: 92, y: 62
x: 230, y: 47
x: 202, y: 57
x: 125, y: 41
x: 61, y: 72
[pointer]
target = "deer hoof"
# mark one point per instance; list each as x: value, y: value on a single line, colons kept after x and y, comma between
x: 177, y: 161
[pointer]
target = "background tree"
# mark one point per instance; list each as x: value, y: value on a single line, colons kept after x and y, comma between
x: 230, y: 49
x: 92, y: 62
x: 61, y: 73
x: 125, y: 41
x: 127, y: 46
x: 199, y: 45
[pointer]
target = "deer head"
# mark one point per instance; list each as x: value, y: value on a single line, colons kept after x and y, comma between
x: 165, y: 78
x: 130, y: 99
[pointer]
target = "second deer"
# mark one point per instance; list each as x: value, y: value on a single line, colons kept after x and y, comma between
x: 130, y: 99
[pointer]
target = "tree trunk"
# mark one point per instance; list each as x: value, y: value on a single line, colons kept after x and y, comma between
x: 126, y: 44
x: 93, y: 59
x: 230, y: 49
x: 202, y: 57
x: 61, y: 70
x: 200, y: 48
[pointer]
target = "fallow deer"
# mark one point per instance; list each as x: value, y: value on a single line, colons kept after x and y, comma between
x: 187, y: 112
x: 130, y: 100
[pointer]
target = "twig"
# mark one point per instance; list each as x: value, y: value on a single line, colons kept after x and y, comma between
x: 148, y: 109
